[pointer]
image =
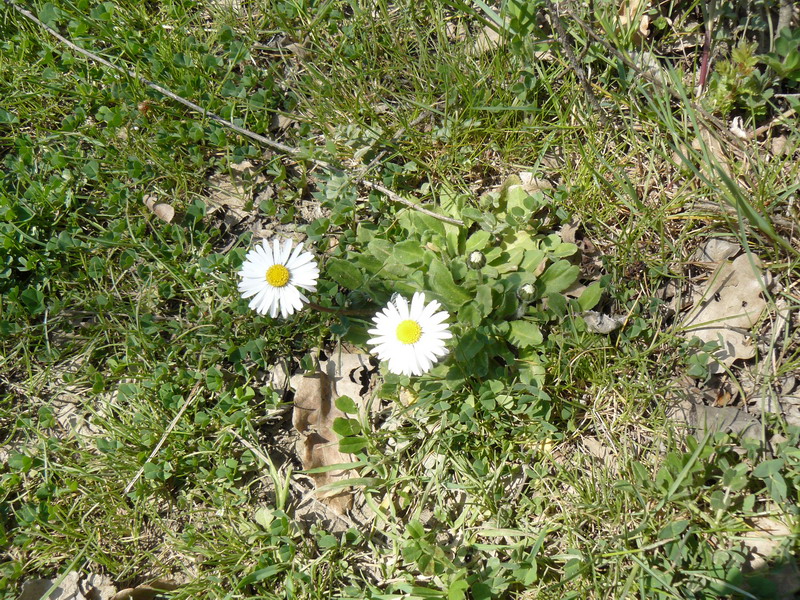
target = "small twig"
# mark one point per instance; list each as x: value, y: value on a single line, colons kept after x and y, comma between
x: 296, y: 153
x: 398, y: 198
x: 718, y: 124
x: 566, y: 45
x: 776, y: 121
x: 189, y: 399
x: 705, y: 60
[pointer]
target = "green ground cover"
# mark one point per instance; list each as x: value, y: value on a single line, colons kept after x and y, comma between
x: 143, y: 433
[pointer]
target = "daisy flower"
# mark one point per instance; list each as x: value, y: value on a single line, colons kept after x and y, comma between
x: 273, y: 274
x: 411, y: 337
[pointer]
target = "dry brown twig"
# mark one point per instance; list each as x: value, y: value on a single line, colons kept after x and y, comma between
x: 566, y: 46
x: 294, y: 153
x: 189, y: 399
x: 719, y: 126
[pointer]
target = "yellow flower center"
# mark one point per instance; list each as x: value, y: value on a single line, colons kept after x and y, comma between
x: 409, y: 332
x: 277, y: 276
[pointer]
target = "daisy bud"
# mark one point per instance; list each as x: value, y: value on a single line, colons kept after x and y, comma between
x: 476, y: 260
x: 526, y: 292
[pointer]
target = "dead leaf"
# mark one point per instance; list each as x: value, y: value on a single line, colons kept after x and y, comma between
x: 486, y: 40
x: 596, y: 449
x: 631, y: 12
x: 769, y: 403
x: 569, y: 231
x: 702, y: 420
x: 597, y: 322
x: 716, y: 250
x: 737, y: 129
x: 67, y: 589
x: 763, y: 541
x: 234, y: 190
x: 532, y: 184
x: 724, y: 397
x: 162, y: 210
x: 726, y: 308
x: 313, y: 417
x: 281, y: 123
x: 300, y: 51
x: 147, y: 591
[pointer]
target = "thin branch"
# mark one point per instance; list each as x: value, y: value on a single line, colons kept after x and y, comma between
x: 398, y: 198
x: 189, y: 399
x: 566, y: 45
x: 776, y: 121
x: 718, y: 124
x: 296, y: 153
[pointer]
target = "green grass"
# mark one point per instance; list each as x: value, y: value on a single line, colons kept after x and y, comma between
x: 485, y: 486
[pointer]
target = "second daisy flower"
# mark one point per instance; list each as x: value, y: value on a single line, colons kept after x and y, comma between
x: 410, y: 337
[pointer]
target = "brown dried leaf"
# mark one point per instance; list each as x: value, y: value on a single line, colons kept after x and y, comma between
x: 314, y: 414
x: 67, y: 588
x: 763, y: 541
x: 629, y: 12
x: 486, y: 40
x: 531, y: 183
x: 146, y: 591
x: 716, y: 250
x: 727, y: 306
x: 701, y: 419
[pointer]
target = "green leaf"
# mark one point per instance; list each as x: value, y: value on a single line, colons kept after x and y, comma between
x: 415, y: 529
x: 525, y: 334
x: 344, y: 273
x: 262, y: 574
x: 347, y: 405
x: 20, y: 462
x: 96, y: 268
x: 152, y: 471
x: 469, y: 345
x: 49, y: 14
x: 557, y: 304
x: 483, y: 297
x: 92, y: 169
x: 768, y: 468
x: 7, y: 117
x: 590, y: 296
x: 532, y: 259
x: 442, y: 286
x: 457, y: 590
x: 408, y: 253
x: 477, y: 241
x: 517, y: 201
x: 564, y: 249
x: 673, y: 530
x: 33, y: 300
x: 351, y: 445
x: 346, y: 427
x: 558, y: 277
x: 470, y: 314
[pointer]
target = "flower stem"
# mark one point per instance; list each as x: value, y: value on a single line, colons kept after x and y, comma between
x: 348, y: 312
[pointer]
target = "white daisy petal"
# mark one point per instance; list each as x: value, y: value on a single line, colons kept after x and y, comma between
x: 415, y: 347
x: 280, y: 295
